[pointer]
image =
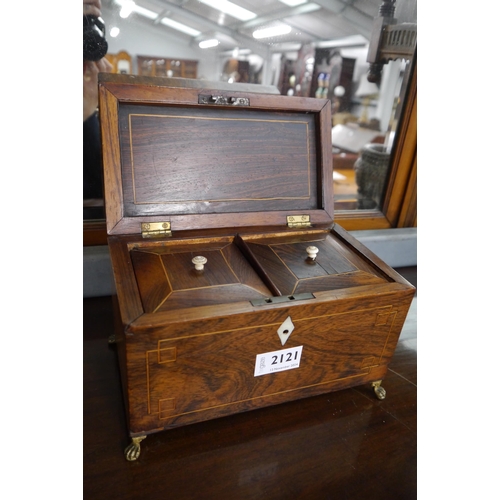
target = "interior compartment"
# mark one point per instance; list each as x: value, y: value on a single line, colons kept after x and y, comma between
x: 167, y: 278
x: 283, y: 263
x: 245, y: 268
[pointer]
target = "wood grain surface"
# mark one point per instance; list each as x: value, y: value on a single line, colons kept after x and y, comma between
x: 168, y: 157
x: 190, y: 354
x: 345, y: 444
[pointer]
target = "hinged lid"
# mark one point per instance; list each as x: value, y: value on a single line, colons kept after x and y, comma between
x: 209, y: 155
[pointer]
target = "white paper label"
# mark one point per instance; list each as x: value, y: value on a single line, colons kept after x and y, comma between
x: 277, y: 361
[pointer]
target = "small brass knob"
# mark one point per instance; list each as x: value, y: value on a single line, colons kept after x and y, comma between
x: 199, y: 262
x: 312, y: 252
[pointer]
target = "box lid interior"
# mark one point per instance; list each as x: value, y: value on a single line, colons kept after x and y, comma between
x: 172, y: 154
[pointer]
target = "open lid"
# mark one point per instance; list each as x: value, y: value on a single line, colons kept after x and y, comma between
x: 209, y: 155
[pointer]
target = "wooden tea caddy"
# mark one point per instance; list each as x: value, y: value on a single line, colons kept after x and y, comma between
x: 235, y: 290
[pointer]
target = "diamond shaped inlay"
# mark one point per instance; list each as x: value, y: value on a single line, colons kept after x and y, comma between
x: 285, y: 330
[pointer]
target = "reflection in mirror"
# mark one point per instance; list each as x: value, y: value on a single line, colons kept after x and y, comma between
x: 356, y: 53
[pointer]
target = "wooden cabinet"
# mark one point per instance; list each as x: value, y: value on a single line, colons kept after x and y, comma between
x: 165, y: 66
x: 236, y: 71
x: 300, y: 78
x: 121, y: 62
x: 330, y: 70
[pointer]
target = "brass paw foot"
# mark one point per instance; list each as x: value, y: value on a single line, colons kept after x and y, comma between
x: 133, y: 450
x: 378, y: 389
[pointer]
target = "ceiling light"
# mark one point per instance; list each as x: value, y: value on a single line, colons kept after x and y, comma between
x: 128, y: 4
x: 208, y: 43
x: 180, y: 27
x: 127, y: 9
x: 231, y: 9
x: 270, y: 32
x: 145, y: 12
x: 114, y: 32
x: 293, y: 3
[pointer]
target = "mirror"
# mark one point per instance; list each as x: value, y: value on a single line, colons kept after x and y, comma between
x: 319, y: 49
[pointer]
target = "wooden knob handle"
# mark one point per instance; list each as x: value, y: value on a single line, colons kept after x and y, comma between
x: 199, y: 262
x: 312, y: 252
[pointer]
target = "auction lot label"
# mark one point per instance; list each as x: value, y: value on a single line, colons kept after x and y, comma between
x: 277, y: 361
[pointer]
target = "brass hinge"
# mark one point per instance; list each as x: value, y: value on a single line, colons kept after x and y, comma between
x: 155, y: 229
x: 298, y: 221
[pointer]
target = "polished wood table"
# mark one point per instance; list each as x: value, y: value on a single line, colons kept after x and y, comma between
x: 343, y: 445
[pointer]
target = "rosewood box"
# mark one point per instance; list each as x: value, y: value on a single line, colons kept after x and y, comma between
x: 235, y: 289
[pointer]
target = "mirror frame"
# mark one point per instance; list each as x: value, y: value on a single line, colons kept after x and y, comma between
x: 399, y: 208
